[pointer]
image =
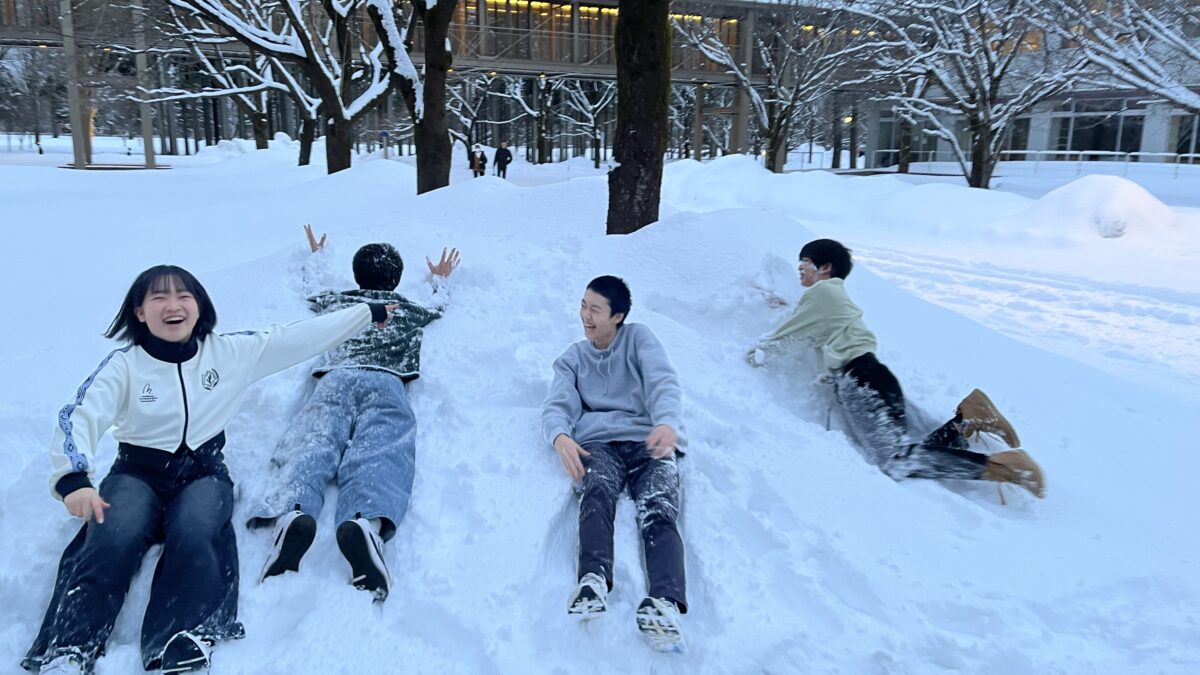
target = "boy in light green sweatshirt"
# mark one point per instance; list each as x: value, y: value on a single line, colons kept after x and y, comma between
x: 870, y: 396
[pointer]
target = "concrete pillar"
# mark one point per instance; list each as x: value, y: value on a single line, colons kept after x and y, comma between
x: 1041, y: 126
x: 1156, y: 132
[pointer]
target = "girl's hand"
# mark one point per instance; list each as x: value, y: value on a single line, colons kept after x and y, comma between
x: 86, y: 503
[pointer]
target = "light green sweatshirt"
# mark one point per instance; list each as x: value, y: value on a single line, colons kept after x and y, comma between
x: 829, y: 319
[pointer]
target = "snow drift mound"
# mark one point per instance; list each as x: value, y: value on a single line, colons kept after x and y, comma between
x: 1104, y: 205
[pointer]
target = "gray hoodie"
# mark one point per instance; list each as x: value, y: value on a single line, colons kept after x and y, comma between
x: 616, y: 394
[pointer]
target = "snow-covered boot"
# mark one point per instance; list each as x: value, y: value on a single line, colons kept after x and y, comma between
x: 67, y: 664
x: 658, y: 620
x: 294, y: 533
x: 363, y: 549
x: 186, y: 652
x: 1015, y: 466
x: 979, y: 414
x: 590, y: 598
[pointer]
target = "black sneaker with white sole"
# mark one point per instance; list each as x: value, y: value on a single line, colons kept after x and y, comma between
x: 294, y: 533
x: 363, y: 549
x: 186, y: 653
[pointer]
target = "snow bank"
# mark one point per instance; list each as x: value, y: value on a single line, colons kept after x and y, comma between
x: 1108, y: 206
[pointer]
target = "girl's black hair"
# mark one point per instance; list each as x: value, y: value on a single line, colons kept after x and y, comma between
x: 125, y: 325
x: 616, y: 291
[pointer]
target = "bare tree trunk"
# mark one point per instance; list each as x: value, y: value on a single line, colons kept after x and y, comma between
x: 260, y: 124
x: 339, y: 143
x: 643, y: 48
x: 308, y: 133
x: 905, y: 145
x: 432, y: 132
x: 982, y: 163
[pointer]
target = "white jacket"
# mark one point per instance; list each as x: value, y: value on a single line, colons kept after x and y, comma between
x: 161, y: 405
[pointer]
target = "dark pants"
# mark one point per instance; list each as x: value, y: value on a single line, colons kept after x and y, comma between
x: 183, y: 501
x: 654, y: 487
x: 502, y: 170
x: 874, y: 407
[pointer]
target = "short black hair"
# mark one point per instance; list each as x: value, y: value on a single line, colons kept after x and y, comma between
x: 828, y: 251
x: 125, y: 325
x: 616, y: 292
x: 377, y: 267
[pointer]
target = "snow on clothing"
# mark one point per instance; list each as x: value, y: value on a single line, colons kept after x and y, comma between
x: 873, y: 406
x: 395, y: 349
x: 358, y: 427
x: 828, y: 318
x: 608, y: 401
x: 185, y: 502
x: 872, y: 402
x: 616, y: 394
x: 168, y: 406
x: 654, y: 487
x: 169, y: 403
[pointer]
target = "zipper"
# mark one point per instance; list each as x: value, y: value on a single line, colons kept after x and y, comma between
x: 182, y: 386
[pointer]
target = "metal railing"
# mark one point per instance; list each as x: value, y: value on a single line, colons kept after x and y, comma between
x: 1077, y: 157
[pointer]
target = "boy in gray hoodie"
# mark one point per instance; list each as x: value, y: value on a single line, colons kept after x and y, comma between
x: 613, y: 415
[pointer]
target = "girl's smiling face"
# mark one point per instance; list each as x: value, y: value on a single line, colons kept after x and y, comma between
x: 169, y: 310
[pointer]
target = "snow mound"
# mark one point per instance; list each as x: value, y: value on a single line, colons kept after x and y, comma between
x: 1104, y: 205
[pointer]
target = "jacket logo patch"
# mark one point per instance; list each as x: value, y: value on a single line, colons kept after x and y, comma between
x: 210, y: 379
x: 147, y: 395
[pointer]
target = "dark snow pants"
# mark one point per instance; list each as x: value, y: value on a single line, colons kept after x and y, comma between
x: 183, y: 501
x: 873, y: 404
x: 654, y: 487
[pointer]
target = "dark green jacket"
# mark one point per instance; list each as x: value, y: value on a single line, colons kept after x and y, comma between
x: 395, y: 349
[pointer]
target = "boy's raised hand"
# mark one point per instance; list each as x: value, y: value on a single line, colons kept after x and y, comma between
x: 313, y: 244
x: 446, y: 265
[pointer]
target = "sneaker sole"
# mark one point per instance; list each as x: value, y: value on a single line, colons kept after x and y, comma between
x: 365, y: 563
x: 182, y: 656
x: 587, y: 610
x: 296, y: 543
x: 661, y: 636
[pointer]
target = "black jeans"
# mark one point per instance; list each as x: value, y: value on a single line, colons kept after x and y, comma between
x: 182, y: 500
x: 654, y: 486
x: 874, y: 407
x: 502, y: 170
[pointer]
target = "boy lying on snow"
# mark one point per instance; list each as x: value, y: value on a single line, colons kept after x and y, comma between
x: 869, y: 394
x: 357, y: 426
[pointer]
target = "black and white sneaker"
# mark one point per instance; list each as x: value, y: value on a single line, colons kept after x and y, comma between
x: 590, y: 598
x: 294, y: 533
x: 65, y: 664
x: 363, y: 549
x: 658, y: 621
x: 186, y: 653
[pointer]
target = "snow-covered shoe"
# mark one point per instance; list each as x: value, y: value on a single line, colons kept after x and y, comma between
x: 294, y: 533
x: 979, y: 414
x: 363, y: 549
x: 67, y: 664
x: 658, y: 620
x: 590, y: 598
x: 1015, y: 466
x: 186, y: 653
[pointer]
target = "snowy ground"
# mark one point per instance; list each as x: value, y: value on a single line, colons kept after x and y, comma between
x: 801, y: 558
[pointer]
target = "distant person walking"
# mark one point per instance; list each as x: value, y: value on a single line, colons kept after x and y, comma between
x: 503, y: 159
x: 478, y: 161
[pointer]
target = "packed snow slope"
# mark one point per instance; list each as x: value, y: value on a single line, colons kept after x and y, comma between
x: 801, y: 558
